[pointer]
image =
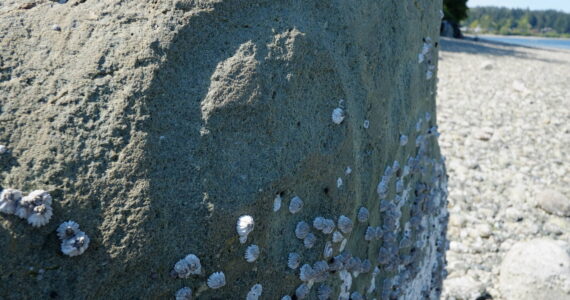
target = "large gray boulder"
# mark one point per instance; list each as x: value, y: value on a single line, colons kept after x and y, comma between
x: 536, y: 269
x: 155, y: 125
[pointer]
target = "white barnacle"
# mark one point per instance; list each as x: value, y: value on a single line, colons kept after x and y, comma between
x: 324, y: 292
x: 370, y: 233
x: 344, y: 224
x: 328, y: 251
x: 277, y: 203
x: 75, y: 245
x: 337, y: 237
x: 9, y: 200
x: 39, y: 197
x: 252, y: 253
x: 338, y: 115
x: 347, y: 171
x: 27, y: 204
x: 255, y: 292
x: 366, y: 124
x: 399, y: 185
x: 293, y: 260
x: 328, y: 226
x: 286, y: 297
x: 320, y: 271
x: 363, y: 214
x: 3, y: 149
x: 40, y: 215
x: 302, y: 230
x: 309, y: 241
x: 216, y: 280
x: 244, y: 227
x: 189, y: 265
x: 319, y: 223
x: 403, y: 140
x: 302, y: 291
x: 339, y: 182
x: 342, y: 245
x: 295, y: 205
x: 67, y: 230
x: 306, y: 273
x: 184, y: 293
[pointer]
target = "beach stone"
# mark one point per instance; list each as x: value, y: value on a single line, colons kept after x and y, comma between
x: 155, y: 125
x: 536, y: 269
x: 554, y: 202
x: 463, y: 288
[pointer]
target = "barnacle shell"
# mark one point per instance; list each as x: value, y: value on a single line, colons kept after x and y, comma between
x: 363, y: 214
x: 342, y: 245
x: 337, y: 237
x: 365, y: 266
x: 75, y: 245
x: 328, y: 251
x: 344, y: 224
x: 347, y: 171
x: 67, y: 230
x: 217, y: 280
x: 399, y: 185
x: 293, y: 260
x: 184, y: 293
x: 324, y: 292
x: 328, y: 226
x: 320, y: 271
x: 302, y: 291
x: 309, y: 241
x: 277, y: 203
x: 366, y: 124
x: 252, y: 253
x: 338, y: 115
x: 9, y: 200
x: 339, y: 182
x: 255, y: 292
x: 370, y: 233
x: 302, y: 230
x: 319, y: 223
x: 403, y: 140
x: 40, y: 215
x: 286, y: 297
x: 244, y: 227
x: 3, y: 149
x: 306, y: 272
x: 295, y: 205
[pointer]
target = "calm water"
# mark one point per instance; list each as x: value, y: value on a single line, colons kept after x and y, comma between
x: 532, y: 42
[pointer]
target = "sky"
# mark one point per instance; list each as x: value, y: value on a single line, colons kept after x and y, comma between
x: 563, y: 5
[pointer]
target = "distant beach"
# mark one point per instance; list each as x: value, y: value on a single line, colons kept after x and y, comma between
x: 529, y: 41
x: 503, y: 114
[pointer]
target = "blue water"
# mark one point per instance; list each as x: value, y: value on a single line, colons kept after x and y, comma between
x: 532, y: 42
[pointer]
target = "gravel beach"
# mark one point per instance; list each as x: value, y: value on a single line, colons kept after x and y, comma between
x: 504, y: 116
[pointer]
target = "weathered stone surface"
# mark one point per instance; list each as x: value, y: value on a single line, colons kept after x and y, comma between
x: 463, y: 288
x: 156, y: 124
x: 554, y: 202
x: 537, y: 269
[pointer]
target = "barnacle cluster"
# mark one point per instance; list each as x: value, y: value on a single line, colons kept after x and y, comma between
x: 35, y: 207
x: 73, y: 241
x: 189, y: 265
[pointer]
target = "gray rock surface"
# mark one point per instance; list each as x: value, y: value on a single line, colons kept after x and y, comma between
x: 554, y: 202
x: 156, y: 124
x: 463, y: 288
x: 537, y: 269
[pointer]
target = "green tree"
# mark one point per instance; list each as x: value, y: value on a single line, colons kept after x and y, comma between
x: 455, y: 10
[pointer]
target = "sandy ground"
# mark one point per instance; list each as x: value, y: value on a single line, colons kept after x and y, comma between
x: 504, y: 115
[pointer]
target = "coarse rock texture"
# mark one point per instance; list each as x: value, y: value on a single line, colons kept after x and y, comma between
x: 537, y: 269
x: 504, y: 117
x: 156, y: 124
x: 554, y: 202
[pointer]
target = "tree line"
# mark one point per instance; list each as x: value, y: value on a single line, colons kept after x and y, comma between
x: 506, y: 21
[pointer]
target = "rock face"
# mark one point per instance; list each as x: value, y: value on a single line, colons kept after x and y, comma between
x: 537, y: 269
x: 157, y: 124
